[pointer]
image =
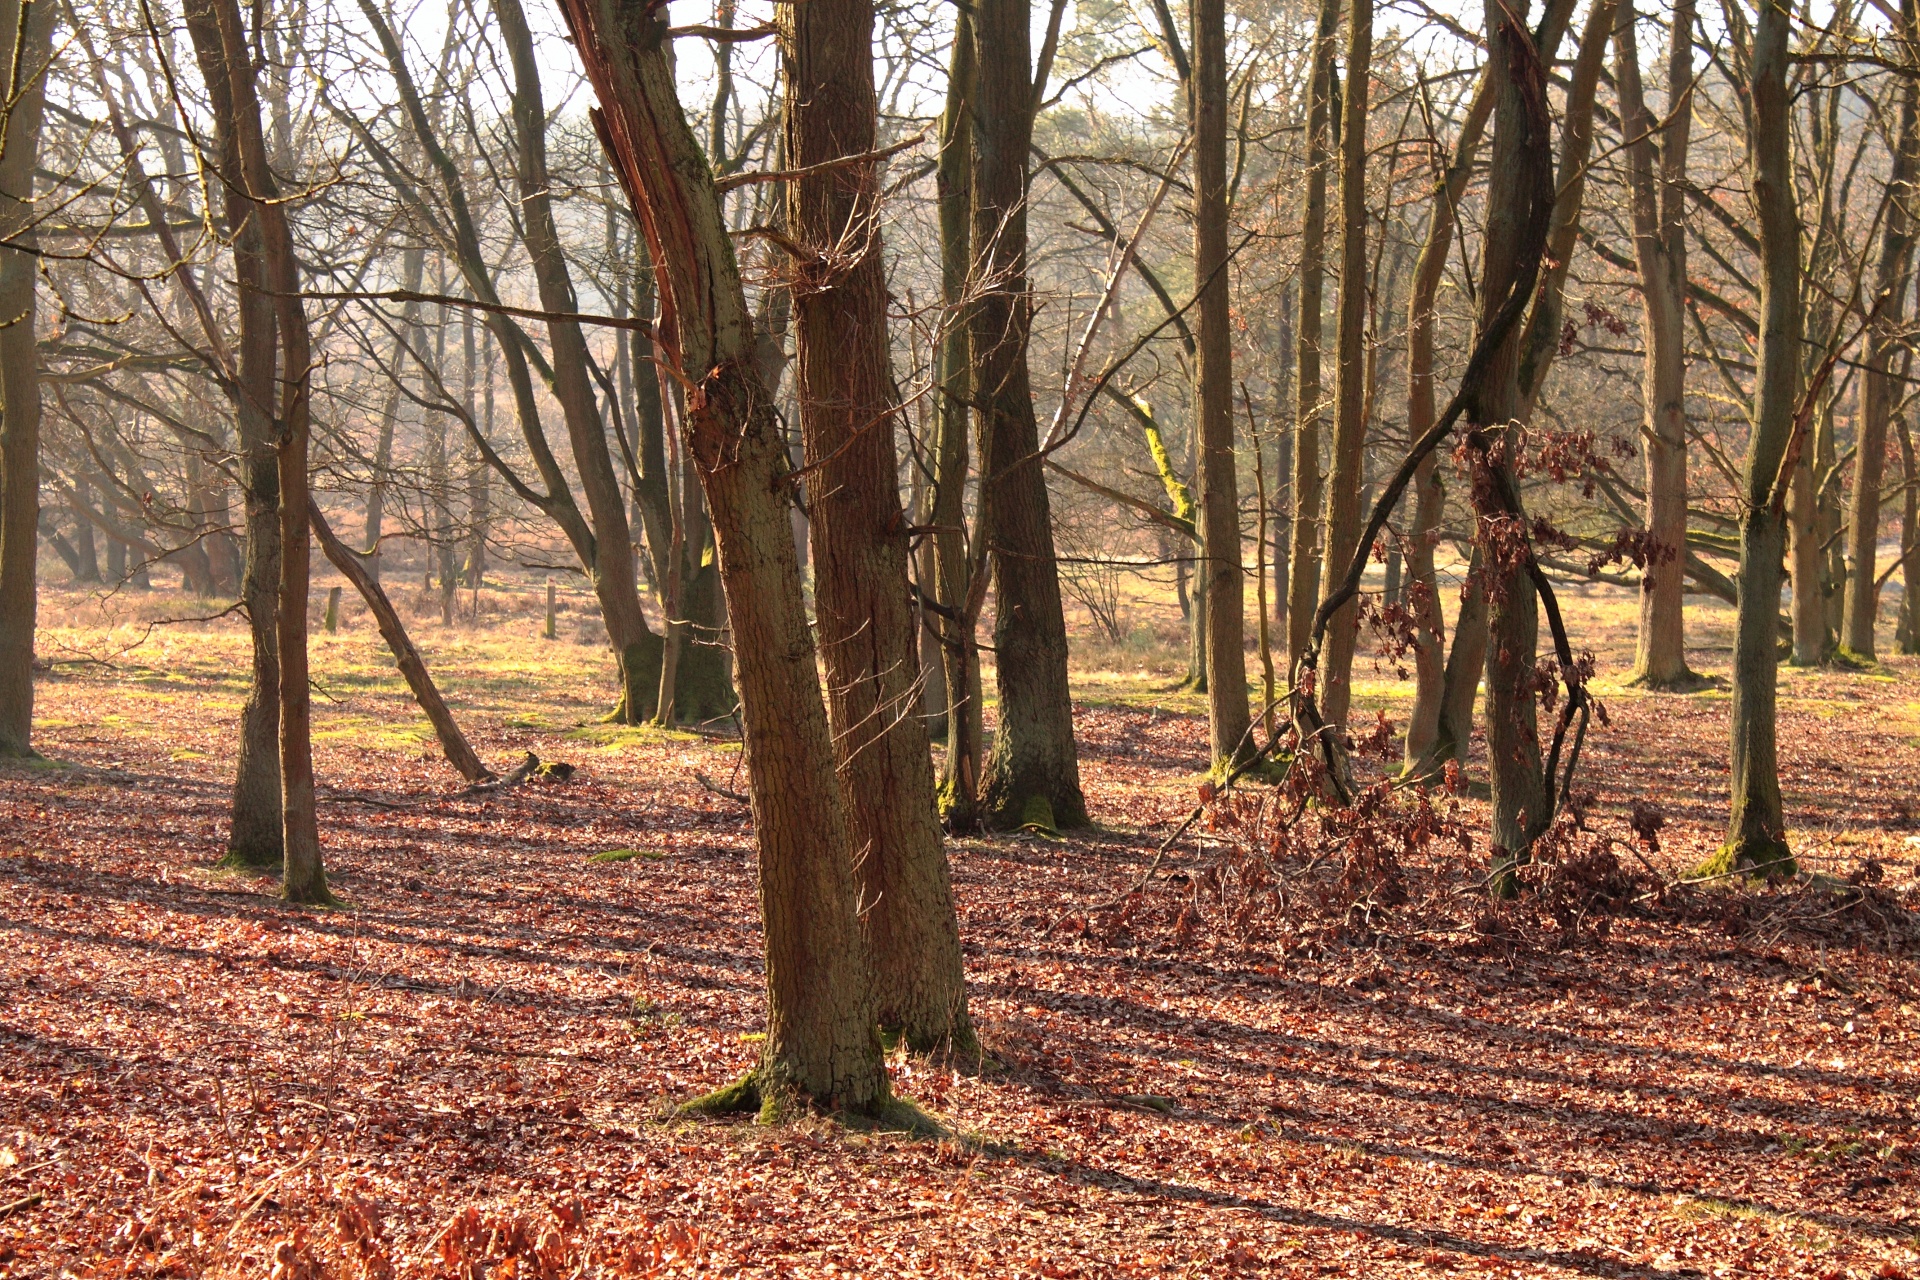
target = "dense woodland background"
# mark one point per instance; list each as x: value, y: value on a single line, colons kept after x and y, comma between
x: 1249, y: 636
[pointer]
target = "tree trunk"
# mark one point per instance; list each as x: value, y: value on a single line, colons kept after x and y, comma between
x: 453, y: 743
x: 848, y: 421
x: 24, y: 52
x: 1225, y: 579
x: 821, y: 1044
x: 1660, y: 245
x: 1033, y: 774
x: 1877, y: 390
x: 1756, y: 826
x: 1303, y: 590
x: 1807, y: 607
x: 413, y: 263
x: 1909, y: 539
x: 1350, y: 421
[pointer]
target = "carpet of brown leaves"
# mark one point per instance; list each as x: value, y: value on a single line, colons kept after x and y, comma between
x: 467, y: 1073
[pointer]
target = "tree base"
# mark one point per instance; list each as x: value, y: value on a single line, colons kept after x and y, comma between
x: 1686, y: 680
x: 749, y: 1096
x: 1850, y: 660
x: 1757, y: 858
x: 258, y: 861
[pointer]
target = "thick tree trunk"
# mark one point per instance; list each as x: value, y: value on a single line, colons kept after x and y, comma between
x: 1660, y: 244
x: 848, y: 422
x: 1350, y: 407
x: 1033, y: 774
x: 1225, y: 580
x: 24, y: 53
x: 821, y: 1043
x: 1303, y: 589
x: 1877, y: 390
x: 1756, y: 826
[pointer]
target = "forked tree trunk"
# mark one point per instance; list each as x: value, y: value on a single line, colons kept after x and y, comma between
x: 24, y: 53
x: 821, y: 1045
x: 1350, y: 407
x: 1756, y: 824
x: 1224, y: 581
x: 1877, y: 389
x: 1033, y: 774
x: 1303, y: 588
x: 848, y: 425
x: 303, y: 877
x: 1660, y: 244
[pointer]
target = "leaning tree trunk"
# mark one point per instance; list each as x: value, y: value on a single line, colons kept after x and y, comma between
x: 1224, y: 581
x: 1303, y: 588
x: 1033, y: 774
x: 1660, y: 660
x: 821, y: 1044
x: 1756, y: 824
x: 1877, y: 390
x: 848, y: 423
x: 24, y: 52
x: 1350, y: 400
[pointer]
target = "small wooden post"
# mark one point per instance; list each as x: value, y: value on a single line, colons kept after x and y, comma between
x: 551, y: 632
x: 333, y: 610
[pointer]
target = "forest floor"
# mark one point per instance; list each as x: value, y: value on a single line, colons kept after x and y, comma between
x: 469, y: 1070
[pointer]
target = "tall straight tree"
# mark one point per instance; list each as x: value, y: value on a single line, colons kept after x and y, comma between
x: 865, y: 617
x: 1224, y: 581
x: 1350, y: 399
x: 1877, y: 390
x: 221, y: 43
x: 1660, y: 246
x: 1033, y: 773
x: 1756, y: 822
x: 26, y: 37
x: 822, y: 1047
x: 1303, y: 588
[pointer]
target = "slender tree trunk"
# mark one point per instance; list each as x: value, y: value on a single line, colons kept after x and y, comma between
x: 84, y: 543
x: 1877, y: 390
x: 413, y: 264
x: 1350, y: 421
x: 26, y: 36
x: 1303, y: 589
x: 1225, y: 579
x: 1807, y: 607
x: 1033, y: 774
x: 453, y: 743
x: 1756, y: 825
x: 1660, y: 244
x: 821, y: 1043
x: 1909, y: 539
x: 848, y: 423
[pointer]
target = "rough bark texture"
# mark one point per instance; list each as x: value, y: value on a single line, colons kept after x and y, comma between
x: 23, y: 57
x: 1660, y: 246
x: 821, y: 1046
x: 1756, y: 825
x: 848, y: 421
x: 1350, y: 400
x: 1225, y: 581
x: 1877, y: 391
x: 1303, y: 588
x: 1033, y: 774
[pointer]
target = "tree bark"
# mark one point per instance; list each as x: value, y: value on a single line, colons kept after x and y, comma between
x: 848, y: 424
x: 1877, y: 391
x: 1756, y: 824
x: 821, y: 1044
x: 1225, y: 579
x: 1303, y: 587
x: 1033, y: 773
x: 1350, y: 421
x: 26, y: 36
x: 1660, y: 245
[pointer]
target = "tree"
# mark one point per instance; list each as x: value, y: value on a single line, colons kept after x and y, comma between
x: 1756, y: 824
x: 864, y: 611
x: 821, y: 1047
x: 26, y: 37
x: 1033, y: 773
